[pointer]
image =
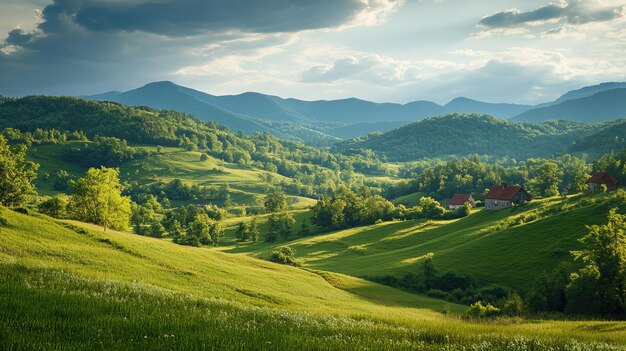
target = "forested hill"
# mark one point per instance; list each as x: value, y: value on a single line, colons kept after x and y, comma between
x: 462, y: 135
x: 137, y: 125
x: 610, y: 139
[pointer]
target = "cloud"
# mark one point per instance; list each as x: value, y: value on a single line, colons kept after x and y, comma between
x: 572, y: 12
x: 81, y: 46
x: 18, y: 37
x: 195, y: 17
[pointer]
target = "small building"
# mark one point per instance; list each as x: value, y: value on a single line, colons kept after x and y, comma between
x: 504, y: 195
x: 459, y: 200
x: 601, y: 178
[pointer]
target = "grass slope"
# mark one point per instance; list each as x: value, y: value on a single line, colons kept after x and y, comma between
x: 482, y: 244
x: 172, y: 163
x: 62, y: 287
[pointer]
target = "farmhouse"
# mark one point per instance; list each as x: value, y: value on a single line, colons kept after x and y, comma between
x: 601, y: 178
x: 459, y: 200
x: 504, y: 195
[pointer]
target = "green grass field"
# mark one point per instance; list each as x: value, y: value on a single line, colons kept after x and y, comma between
x: 62, y: 287
x: 511, y: 256
x: 172, y: 163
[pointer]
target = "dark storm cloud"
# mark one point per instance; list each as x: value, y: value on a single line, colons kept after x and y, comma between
x: 193, y: 17
x: 82, y: 46
x: 18, y: 37
x: 572, y: 12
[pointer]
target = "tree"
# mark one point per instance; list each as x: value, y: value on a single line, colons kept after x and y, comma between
x: 199, y: 230
x: 157, y: 230
x: 253, y: 228
x: 53, y: 207
x: 305, y: 230
x: 281, y: 224
x: 97, y: 198
x: 16, y: 174
x: 431, y: 208
x: 544, y: 178
x: 603, y: 279
x: 204, y: 157
x: 216, y: 232
x: 548, y: 292
x: 243, y: 231
x: 275, y: 201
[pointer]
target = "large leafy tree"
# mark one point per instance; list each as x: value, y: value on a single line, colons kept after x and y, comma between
x: 97, y: 198
x: 275, y: 201
x: 16, y: 174
x: 603, y: 279
x: 544, y: 177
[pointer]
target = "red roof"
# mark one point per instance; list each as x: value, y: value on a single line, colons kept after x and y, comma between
x: 602, y: 178
x: 503, y: 192
x: 460, y: 199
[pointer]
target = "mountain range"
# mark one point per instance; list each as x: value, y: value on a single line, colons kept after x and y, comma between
x: 324, y: 122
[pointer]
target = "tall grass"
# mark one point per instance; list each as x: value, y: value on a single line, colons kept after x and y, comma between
x: 43, y: 309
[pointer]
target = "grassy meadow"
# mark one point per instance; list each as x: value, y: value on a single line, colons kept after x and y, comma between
x: 116, y: 290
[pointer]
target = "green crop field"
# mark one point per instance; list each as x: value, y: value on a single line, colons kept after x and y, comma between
x: 65, y: 287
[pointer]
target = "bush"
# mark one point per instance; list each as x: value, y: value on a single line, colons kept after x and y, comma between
x: 284, y: 255
x: 513, y: 306
x: 480, y: 311
x: 53, y: 207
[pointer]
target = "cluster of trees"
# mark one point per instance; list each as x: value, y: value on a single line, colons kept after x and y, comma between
x: 248, y: 230
x: 187, y: 225
x: 42, y: 136
x: 541, y: 177
x: 103, y: 151
x: 449, y: 286
x: 346, y: 208
x: 599, y: 287
x: 177, y: 190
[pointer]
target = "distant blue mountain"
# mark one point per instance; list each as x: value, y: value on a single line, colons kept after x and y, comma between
x: 606, y: 105
x: 502, y: 110
x: 324, y: 121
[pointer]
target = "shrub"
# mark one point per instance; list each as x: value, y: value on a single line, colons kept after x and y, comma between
x: 284, y: 255
x: 53, y: 207
x: 513, y: 306
x: 478, y: 310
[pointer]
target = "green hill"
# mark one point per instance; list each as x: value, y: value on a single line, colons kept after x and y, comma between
x: 64, y: 287
x: 610, y: 139
x: 462, y: 135
x: 509, y: 247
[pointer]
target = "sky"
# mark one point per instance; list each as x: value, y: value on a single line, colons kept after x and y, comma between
x: 380, y: 50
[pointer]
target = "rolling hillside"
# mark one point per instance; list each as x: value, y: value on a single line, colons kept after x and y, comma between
x: 119, y: 290
x: 602, y: 106
x: 521, y: 243
x: 462, y: 135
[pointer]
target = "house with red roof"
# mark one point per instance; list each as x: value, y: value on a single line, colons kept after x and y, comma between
x: 601, y: 178
x: 504, y: 195
x: 459, y: 200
